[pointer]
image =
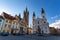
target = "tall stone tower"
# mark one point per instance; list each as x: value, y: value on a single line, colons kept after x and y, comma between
x: 26, y: 16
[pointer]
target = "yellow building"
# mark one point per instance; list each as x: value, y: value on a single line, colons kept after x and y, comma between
x: 29, y: 30
x: 52, y: 30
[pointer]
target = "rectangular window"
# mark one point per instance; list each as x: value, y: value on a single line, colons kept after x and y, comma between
x: 6, y: 20
x: 9, y: 21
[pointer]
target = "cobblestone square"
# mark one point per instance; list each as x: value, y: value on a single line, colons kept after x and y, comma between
x: 29, y: 37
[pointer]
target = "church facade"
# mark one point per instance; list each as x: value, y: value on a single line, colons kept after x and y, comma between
x: 40, y: 25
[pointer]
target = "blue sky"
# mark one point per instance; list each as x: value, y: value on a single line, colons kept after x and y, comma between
x: 51, y: 7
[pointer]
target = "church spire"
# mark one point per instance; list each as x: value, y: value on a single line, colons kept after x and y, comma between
x: 43, y: 14
x: 34, y: 14
x: 26, y: 9
x: 42, y: 10
x: 26, y: 16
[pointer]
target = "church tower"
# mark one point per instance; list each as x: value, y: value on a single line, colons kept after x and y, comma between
x: 34, y: 18
x: 43, y: 15
x: 46, y: 24
x: 26, y: 16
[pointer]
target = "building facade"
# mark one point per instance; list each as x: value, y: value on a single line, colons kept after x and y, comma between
x: 15, y: 24
x: 40, y: 25
x: 23, y: 26
x: 29, y: 30
x: 8, y: 21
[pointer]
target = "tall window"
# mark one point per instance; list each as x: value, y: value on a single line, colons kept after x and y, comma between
x: 39, y: 30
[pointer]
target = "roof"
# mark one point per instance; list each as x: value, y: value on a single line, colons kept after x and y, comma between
x: 8, y: 16
x: 38, y: 19
x: 17, y: 17
x: 51, y: 27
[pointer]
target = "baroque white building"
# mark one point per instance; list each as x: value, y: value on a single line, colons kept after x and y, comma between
x: 40, y: 25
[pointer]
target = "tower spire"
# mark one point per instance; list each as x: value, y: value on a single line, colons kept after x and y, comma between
x: 26, y: 16
x: 26, y: 9
x: 34, y: 14
x: 42, y: 10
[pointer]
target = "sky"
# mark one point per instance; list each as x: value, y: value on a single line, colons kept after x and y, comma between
x: 51, y: 7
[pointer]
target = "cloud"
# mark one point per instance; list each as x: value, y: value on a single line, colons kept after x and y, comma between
x: 59, y: 15
x: 56, y: 24
x: 54, y: 17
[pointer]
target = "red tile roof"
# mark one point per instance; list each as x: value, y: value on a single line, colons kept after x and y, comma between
x: 8, y: 16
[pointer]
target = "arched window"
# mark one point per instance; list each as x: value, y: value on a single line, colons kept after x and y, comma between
x: 39, y: 30
x: 44, y: 22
